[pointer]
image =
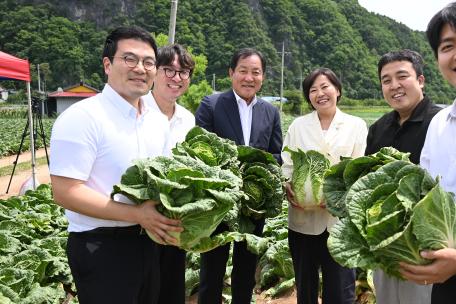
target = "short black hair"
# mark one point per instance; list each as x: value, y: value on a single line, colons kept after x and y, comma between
x: 402, y: 55
x: 167, y: 53
x: 447, y: 15
x: 126, y: 32
x: 310, y: 79
x: 244, y: 53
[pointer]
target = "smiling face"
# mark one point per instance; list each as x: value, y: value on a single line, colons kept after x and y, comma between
x: 247, y: 77
x: 401, y: 87
x: 446, y: 53
x: 130, y: 83
x: 323, y: 95
x: 168, y: 89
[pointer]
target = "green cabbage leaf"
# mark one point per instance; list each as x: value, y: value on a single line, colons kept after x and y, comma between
x: 189, y: 190
x: 262, y: 183
x: 391, y: 213
x: 307, y: 178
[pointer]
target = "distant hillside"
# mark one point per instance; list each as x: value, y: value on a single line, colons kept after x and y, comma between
x: 338, y: 34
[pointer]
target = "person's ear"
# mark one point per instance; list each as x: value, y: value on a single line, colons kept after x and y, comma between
x: 421, y: 81
x: 107, y: 65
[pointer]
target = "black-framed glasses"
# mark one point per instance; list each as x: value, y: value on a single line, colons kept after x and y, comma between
x: 132, y: 61
x: 183, y: 74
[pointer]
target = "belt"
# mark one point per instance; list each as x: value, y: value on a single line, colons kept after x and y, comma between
x: 128, y: 230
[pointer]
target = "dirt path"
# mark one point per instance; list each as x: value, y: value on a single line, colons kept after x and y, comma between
x: 23, y: 157
x: 42, y: 174
x: 288, y: 298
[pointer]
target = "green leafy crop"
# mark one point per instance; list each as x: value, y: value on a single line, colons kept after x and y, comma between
x: 262, y: 184
x: 188, y: 189
x: 393, y: 209
x: 307, y: 178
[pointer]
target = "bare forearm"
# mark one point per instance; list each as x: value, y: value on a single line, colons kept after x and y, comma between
x: 76, y: 196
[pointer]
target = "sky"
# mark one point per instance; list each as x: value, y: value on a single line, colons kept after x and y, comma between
x: 414, y: 13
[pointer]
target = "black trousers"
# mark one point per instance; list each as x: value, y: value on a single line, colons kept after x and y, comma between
x: 213, y: 265
x: 444, y: 293
x: 113, y: 265
x: 309, y: 253
x: 172, y: 275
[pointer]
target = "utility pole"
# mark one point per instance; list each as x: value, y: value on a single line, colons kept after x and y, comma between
x: 281, y: 74
x: 39, y: 80
x: 300, y: 89
x: 213, y: 82
x: 172, y: 21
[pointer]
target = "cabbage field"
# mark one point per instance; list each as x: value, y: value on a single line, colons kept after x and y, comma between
x: 33, y: 263
x: 11, y: 134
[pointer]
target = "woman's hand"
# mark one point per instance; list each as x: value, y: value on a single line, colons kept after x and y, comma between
x: 291, y: 196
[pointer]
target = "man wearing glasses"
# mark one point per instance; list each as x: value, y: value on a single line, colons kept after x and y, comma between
x: 174, y: 69
x: 93, y: 142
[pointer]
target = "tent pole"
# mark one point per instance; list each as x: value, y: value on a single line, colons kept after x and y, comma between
x: 32, y: 140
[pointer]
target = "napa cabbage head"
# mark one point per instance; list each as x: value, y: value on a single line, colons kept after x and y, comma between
x: 308, y: 174
x: 262, y: 184
x: 210, y: 148
x: 188, y: 189
x: 340, y: 177
x: 393, y: 212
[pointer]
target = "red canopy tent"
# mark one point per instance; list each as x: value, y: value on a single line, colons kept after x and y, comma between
x: 13, y: 68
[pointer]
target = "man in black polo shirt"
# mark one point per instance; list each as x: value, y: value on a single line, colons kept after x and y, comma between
x: 404, y: 128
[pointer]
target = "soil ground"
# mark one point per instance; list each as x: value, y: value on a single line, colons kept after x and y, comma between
x: 19, y: 177
x: 287, y: 298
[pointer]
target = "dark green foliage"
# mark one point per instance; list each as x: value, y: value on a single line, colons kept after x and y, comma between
x: 339, y: 34
x: 33, y: 262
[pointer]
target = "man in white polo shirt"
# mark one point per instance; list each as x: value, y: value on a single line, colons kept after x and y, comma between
x: 439, y: 158
x: 93, y: 143
x: 174, y: 69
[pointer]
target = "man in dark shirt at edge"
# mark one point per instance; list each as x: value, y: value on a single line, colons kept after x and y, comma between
x: 404, y: 128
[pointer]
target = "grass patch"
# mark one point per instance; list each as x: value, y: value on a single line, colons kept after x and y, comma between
x: 22, y: 166
x: 369, y: 114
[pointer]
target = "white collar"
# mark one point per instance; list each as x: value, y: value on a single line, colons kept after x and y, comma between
x: 452, y: 112
x: 240, y: 100
x: 178, y: 109
x: 122, y: 105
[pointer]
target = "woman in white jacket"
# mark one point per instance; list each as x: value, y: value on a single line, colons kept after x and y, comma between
x: 330, y: 131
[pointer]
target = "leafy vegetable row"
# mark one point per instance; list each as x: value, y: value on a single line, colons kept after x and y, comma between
x: 33, y: 262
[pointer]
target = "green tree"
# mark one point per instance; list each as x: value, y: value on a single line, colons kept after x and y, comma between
x: 195, y: 93
x: 295, y: 100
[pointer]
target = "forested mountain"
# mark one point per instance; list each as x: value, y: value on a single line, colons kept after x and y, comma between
x: 339, y: 34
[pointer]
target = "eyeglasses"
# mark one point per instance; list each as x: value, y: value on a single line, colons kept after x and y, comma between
x: 132, y: 61
x: 170, y: 73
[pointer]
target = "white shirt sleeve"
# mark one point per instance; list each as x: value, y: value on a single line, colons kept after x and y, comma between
x: 73, y: 145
